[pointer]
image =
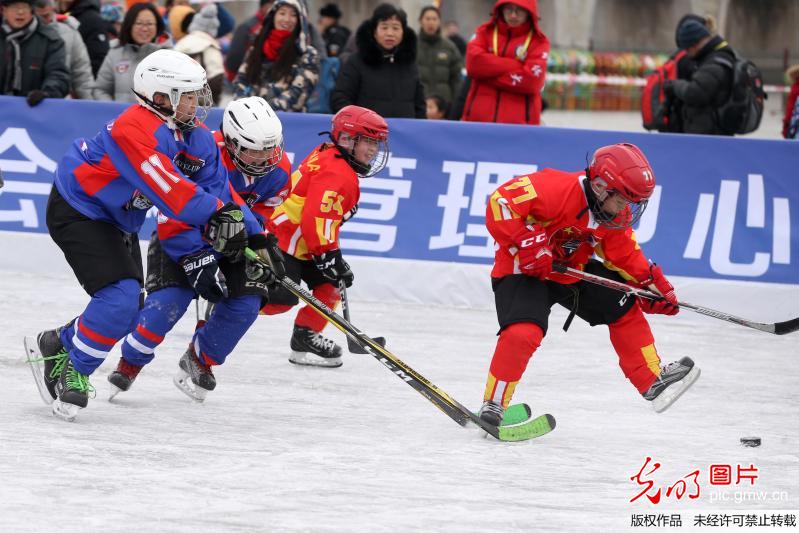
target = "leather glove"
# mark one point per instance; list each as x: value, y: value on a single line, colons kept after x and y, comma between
x: 657, y: 282
x: 534, y: 254
x: 205, y: 276
x: 226, y: 233
x: 35, y: 97
x: 265, y: 245
x: 332, y: 266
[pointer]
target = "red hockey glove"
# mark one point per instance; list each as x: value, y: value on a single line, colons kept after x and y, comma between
x: 535, y: 255
x: 658, y: 283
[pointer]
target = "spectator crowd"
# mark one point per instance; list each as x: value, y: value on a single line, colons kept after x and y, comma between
x: 298, y: 62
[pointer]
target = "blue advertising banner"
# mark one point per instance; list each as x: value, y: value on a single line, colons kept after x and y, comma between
x: 722, y: 207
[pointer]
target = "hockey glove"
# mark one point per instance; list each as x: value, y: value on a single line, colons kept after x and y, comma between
x: 265, y: 245
x: 226, y: 232
x: 657, y: 282
x: 534, y: 254
x: 333, y: 267
x: 204, y: 276
x: 34, y: 98
x: 349, y: 214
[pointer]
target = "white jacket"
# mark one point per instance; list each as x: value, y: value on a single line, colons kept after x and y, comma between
x: 78, y: 62
x: 115, y: 77
x: 200, y: 43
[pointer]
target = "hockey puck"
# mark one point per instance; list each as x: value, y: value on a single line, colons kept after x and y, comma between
x: 750, y: 442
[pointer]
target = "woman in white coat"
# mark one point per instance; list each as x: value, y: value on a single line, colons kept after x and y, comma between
x: 140, y: 30
x: 201, y: 44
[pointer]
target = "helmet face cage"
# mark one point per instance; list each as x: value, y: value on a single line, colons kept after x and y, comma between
x: 625, y: 218
x: 375, y: 165
x: 204, y: 104
x: 256, y: 168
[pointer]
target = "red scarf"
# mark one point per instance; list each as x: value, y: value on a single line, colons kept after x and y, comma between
x: 274, y: 42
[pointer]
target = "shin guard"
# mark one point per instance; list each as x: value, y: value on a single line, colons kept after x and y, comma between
x: 635, y: 346
x: 515, y: 346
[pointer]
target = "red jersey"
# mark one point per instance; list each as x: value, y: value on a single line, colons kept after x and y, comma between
x: 323, y: 189
x: 556, y: 201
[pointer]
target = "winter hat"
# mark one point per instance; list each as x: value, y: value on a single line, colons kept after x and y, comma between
x: 330, y: 10
x: 113, y: 12
x: 206, y: 20
x: 690, y: 32
x: 176, y: 16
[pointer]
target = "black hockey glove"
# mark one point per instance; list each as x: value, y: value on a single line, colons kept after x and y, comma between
x: 333, y: 267
x: 204, y: 276
x: 34, y: 98
x: 265, y: 245
x: 226, y: 232
x: 349, y: 214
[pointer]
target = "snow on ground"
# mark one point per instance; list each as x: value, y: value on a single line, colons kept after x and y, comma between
x: 283, y: 448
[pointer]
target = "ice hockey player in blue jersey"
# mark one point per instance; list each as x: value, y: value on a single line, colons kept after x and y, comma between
x: 103, y: 188
x: 251, y: 148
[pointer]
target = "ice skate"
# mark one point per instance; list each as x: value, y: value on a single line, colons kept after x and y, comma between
x: 46, y: 357
x: 194, y: 378
x: 72, y: 392
x: 312, y: 349
x: 491, y: 413
x: 675, y: 378
x: 123, y: 377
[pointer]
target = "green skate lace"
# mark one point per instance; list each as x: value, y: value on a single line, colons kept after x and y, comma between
x: 78, y: 381
x: 60, y: 360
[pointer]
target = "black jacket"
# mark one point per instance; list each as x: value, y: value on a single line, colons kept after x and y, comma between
x: 385, y: 83
x: 43, y: 64
x: 707, y: 90
x: 92, y: 29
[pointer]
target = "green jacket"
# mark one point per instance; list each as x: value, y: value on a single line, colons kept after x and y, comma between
x: 440, y: 65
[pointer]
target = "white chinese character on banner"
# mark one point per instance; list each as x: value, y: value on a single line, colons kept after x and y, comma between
x: 18, y: 138
x: 487, y: 177
x: 386, y: 201
x: 721, y: 245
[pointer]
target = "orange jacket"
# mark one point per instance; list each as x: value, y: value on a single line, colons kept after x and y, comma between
x: 556, y: 201
x: 324, y: 188
x: 507, y: 67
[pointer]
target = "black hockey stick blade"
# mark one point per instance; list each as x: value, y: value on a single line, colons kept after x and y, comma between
x: 354, y: 347
x: 789, y: 326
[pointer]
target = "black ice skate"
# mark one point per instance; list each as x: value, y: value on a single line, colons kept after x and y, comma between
x: 491, y: 413
x: 72, y: 392
x: 47, y: 357
x: 123, y: 377
x: 674, y: 380
x: 194, y: 377
x: 312, y: 349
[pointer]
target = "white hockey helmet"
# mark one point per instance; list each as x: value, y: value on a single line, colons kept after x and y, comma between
x: 253, y: 135
x: 173, y: 74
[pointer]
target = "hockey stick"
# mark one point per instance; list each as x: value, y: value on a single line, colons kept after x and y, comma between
x: 419, y: 383
x: 353, y: 346
x: 777, y: 328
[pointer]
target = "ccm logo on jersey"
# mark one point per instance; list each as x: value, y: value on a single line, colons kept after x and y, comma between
x: 541, y: 237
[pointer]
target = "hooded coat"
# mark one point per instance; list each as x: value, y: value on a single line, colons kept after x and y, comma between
x: 386, y: 83
x: 93, y: 29
x: 508, y: 68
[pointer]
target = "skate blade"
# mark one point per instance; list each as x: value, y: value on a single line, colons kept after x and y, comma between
x: 183, y: 382
x: 114, y: 391
x: 674, y: 391
x: 311, y: 359
x: 33, y: 356
x: 65, y: 411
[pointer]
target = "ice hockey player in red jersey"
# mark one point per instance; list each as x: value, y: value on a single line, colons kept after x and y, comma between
x: 567, y: 218
x: 324, y: 194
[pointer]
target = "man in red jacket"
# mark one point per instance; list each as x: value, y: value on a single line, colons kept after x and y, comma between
x: 567, y: 217
x: 507, y: 63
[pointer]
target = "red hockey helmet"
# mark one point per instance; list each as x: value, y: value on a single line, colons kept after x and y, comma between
x: 623, y: 170
x: 353, y: 125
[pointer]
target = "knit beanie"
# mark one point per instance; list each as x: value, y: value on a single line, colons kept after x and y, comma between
x: 176, y: 16
x: 690, y: 32
x: 206, y: 20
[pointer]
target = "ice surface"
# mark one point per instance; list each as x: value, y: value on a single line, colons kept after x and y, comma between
x: 278, y: 447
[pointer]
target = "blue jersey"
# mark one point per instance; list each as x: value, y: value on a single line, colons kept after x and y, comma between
x: 261, y: 195
x: 134, y: 163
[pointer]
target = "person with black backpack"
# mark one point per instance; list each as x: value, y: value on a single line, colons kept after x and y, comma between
x: 709, y: 87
